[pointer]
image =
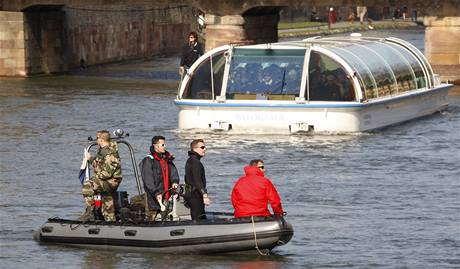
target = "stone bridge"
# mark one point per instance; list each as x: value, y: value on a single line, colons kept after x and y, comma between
x: 103, y: 31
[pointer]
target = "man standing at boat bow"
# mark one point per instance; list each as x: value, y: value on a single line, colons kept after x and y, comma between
x: 190, y: 53
x: 159, y: 174
x: 253, y: 192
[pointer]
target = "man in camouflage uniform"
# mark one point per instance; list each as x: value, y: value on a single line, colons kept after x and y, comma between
x: 107, y: 176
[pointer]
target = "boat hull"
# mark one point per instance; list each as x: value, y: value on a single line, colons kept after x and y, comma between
x: 164, y: 237
x: 289, y: 116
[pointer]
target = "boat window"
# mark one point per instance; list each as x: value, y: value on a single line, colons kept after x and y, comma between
x: 200, y: 84
x: 327, y: 79
x: 425, y: 80
x: 265, y: 74
x: 382, y: 69
x: 362, y: 71
x: 420, y: 79
x: 401, y: 67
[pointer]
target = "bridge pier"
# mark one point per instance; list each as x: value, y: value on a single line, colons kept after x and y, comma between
x: 221, y: 30
x: 12, y: 44
x: 31, y: 43
x: 442, y: 46
x: 44, y: 41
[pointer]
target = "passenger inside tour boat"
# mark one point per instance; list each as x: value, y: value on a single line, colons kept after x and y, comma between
x: 292, y: 80
x: 254, y: 76
x: 272, y: 80
x: 331, y: 88
x: 265, y: 75
x: 328, y: 81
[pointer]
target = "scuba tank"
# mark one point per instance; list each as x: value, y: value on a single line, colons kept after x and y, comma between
x: 98, y: 207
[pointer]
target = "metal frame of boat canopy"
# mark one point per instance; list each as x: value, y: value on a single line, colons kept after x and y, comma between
x: 376, y: 68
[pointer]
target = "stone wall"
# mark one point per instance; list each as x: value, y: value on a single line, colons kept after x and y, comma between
x: 442, y: 46
x: 12, y: 48
x: 96, y: 36
x: 255, y: 29
x: 50, y: 40
x: 45, y: 42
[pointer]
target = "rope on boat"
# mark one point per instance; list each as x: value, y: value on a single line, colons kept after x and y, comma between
x: 255, y: 238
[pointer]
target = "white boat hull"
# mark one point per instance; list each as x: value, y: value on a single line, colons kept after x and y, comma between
x: 289, y: 116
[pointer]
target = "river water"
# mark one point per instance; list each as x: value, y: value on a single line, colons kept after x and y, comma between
x: 388, y: 199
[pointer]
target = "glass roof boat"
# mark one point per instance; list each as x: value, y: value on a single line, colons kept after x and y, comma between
x: 320, y: 84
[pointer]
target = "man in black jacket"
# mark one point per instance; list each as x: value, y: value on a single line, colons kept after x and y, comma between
x: 190, y: 52
x: 195, y: 179
x: 158, y: 174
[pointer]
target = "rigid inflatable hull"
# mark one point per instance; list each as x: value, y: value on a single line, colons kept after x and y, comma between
x: 169, y: 237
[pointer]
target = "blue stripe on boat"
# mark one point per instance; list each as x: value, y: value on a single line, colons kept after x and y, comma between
x: 310, y: 105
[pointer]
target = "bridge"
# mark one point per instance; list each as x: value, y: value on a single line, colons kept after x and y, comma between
x: 46, y: 36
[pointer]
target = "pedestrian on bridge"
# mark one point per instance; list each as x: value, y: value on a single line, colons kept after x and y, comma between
x: 331, y: 17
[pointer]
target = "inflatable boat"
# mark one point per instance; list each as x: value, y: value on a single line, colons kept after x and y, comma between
x: 171, y: 231
x: 206, y: 236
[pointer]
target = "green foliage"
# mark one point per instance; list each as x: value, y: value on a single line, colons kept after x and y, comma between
x: 297, y: 25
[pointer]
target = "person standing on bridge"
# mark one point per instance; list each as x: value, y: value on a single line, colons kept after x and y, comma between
x: 190, y: 53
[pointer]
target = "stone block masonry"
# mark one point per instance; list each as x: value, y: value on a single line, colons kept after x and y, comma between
x: 95, y: 37
x: 52, y: 40
x: 442, y: 46
x: 12, y: 49
x: 220, y: 30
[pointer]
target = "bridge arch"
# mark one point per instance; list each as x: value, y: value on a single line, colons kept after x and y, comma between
x: 45, y: 32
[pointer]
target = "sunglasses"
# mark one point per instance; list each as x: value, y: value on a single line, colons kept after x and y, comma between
x: 202, y: 147
x: 261, y: 167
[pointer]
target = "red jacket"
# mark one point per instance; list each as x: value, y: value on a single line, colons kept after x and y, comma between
x: 253, y: 192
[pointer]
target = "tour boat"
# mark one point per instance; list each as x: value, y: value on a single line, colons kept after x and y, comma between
x: 172, y: 231
x: 320, y: 84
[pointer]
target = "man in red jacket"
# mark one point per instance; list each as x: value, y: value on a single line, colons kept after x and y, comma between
x: 253, y: 192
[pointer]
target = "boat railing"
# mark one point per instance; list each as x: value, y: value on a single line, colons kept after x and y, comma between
x: 119, y: 139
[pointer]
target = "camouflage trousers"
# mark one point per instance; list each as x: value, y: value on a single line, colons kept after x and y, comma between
x: 108, y: 208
